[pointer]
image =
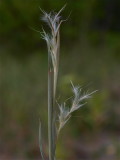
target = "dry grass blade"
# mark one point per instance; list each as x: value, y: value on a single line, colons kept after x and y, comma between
x: 40, y: 142
x: 53, y: 44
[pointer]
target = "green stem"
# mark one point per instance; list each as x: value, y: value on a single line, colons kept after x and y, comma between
x: 50, y: 106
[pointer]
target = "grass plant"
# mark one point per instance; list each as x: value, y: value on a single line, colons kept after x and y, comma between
x: 57, y: 122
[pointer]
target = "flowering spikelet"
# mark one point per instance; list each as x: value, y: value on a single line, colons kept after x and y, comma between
x: 77, y: 102
x: 53, y: 40
x: 64, y: 116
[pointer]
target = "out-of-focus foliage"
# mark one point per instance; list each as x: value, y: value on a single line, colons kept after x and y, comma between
x: 90, y: 56
x: 94, y: 18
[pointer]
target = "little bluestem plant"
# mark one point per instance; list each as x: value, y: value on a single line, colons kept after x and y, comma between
x: 57, y: 122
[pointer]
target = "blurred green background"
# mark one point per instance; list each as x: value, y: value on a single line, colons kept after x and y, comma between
x: 90, y: 56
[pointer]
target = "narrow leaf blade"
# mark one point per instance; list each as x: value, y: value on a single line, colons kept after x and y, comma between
x: 40, y: 142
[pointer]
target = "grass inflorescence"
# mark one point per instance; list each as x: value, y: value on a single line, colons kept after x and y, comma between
x: 57, y: 122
